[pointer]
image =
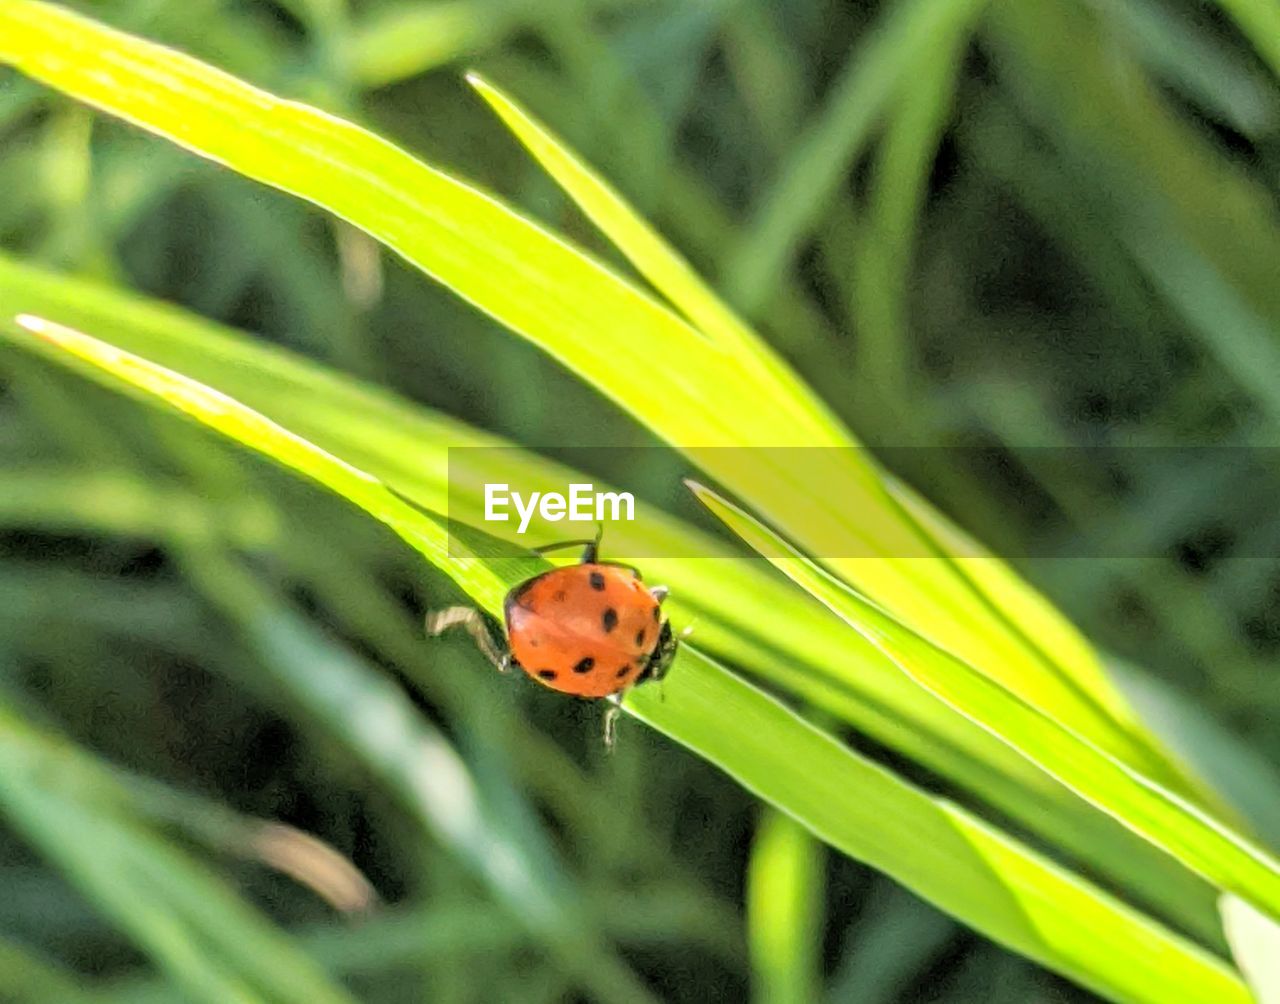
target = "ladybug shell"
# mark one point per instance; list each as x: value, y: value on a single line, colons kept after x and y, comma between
x: 584, y: 629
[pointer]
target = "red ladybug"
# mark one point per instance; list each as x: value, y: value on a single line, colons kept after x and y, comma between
x: 592, y: 629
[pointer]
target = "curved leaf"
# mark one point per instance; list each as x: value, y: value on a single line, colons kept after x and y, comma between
x: 982, y: 876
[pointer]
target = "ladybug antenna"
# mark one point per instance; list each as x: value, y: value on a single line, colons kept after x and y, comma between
x: 591, y: 553
x: 560, y: 545
x: 590, y: 548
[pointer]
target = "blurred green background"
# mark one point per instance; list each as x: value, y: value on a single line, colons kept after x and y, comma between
x: 1002, y: 227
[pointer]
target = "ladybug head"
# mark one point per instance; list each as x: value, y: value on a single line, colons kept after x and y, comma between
x: 664, y: 653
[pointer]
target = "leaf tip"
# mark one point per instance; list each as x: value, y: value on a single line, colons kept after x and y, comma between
x: 709, y: 497
x: 49, y: 331
x: 36, y: 325
x: 697, y: 487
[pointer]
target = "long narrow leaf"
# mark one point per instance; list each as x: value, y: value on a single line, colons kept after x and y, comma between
x: 907, y: 35
x: 785, y: 911
x: 193, y: 924
x: 243, y: 425
x: 1255, y: 941
x: 860, y: 808
x: 735, y: 603
x: 744, y: 615
x: 967, y: 868
x: 583, y: 315
x: 1200, y: 842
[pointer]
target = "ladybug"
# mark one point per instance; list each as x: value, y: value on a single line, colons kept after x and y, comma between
x: 592, y: 629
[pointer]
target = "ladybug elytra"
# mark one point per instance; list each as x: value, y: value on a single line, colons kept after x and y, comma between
x: 591, y: 630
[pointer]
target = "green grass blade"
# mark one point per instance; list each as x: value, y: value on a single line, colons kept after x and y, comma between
x: 733, y: 601
x: 25, y: 978
x: 1200, y: 842
x: 785, y: 910
x: 823, y: 155
x: 204, y: 934
x: 523, y: 276
x: 1255, y: 942
x: 1243, y: 775
x: 884, y: 269
x: 883, y: 257
x: 980, y: 875
x: 1260, y: 21
x: 656, y: 260
x: 1199, y: 64
x: 243, y: 425
x: 929, y: 845
x: 649, y: 252
x: 621, y: 340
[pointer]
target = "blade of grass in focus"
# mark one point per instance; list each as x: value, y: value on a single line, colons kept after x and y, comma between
x: 938, y: 849
x: 1200, y: 842
x: 831, y: 669
x: 857, y: 807
x: 563, y: 301
x: 243, y: 425
x: 672, y: 276
x: 1255, y: 941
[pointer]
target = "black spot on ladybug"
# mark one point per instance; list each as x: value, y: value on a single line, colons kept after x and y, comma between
x: 624, y: 671
x: 534, y: 642
x: 597, y: 582
x: 547, y: 674
x: 640, y: 637
x: 657, y: 614
x: 610, y: 619
x: 559, y: 596
x: 585, y: 665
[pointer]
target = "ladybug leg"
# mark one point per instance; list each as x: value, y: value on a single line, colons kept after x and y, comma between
x: 472, y: 621
x: 684, y: 633
x: 611, y: 714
